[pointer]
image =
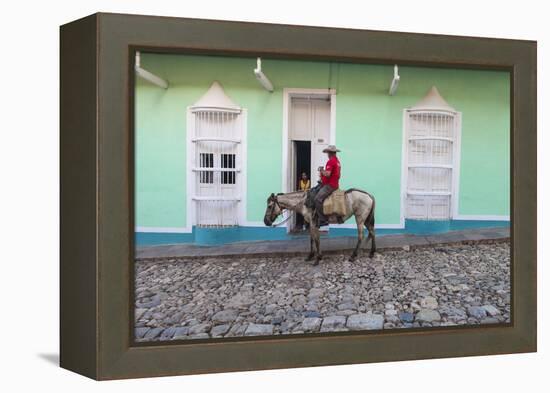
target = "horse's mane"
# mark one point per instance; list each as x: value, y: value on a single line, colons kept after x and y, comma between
x: 358, y: 190
x: 290, y: 193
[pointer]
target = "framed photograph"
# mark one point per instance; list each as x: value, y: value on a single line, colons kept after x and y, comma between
x: 242, y: 196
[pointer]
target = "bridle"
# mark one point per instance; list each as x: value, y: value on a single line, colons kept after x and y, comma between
x: 272, y: 209
x: 276, y: 203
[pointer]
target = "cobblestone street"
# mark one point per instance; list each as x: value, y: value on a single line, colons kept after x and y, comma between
x: 230, y: 297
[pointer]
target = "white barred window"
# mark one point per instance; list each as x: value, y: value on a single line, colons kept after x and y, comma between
x: 216, y: 136
x: 431, y: 132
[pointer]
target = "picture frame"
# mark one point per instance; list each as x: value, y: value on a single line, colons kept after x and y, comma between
x: 97, y: 201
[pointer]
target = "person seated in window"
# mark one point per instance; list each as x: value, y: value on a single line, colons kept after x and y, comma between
x: 303, y: 185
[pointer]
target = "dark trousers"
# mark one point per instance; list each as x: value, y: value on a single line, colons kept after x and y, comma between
x: 300, y: 221
x: 322, y: 194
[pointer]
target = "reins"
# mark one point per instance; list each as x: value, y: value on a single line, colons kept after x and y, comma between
x: 280, y: 208
x: 282, y: 222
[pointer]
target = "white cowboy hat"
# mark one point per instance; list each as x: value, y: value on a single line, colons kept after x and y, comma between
x: 331, y: 149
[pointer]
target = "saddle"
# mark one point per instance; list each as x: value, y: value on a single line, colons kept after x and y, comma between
x: 335, y: 204
x: 334, y: 207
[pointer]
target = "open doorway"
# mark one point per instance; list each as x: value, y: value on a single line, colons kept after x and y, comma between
x: 302, y: 158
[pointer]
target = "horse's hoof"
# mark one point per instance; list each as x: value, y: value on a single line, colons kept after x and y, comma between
x: 371, y: 255
x: 316, y: 263
x: 352, y: 258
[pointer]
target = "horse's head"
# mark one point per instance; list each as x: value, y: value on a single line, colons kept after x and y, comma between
x: 272, y: 211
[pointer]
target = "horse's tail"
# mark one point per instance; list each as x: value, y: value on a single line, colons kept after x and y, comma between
x: 370, y: 217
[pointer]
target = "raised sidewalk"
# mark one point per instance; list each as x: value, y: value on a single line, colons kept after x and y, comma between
x: 300, y: 245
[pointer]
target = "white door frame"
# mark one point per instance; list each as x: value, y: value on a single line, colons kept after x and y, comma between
x: 288, y: 94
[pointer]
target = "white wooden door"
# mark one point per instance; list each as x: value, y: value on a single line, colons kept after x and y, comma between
x: 300, y: 120
x: 320, y: 113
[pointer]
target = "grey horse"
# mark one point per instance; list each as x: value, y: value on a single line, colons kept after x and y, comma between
x: 360, y: 204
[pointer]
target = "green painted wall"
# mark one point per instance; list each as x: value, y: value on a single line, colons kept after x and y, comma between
x: 368, y: 130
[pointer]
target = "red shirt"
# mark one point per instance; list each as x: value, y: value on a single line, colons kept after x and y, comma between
x: 333, y: 165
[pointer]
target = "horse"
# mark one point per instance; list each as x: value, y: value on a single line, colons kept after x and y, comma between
x: 359, y: 204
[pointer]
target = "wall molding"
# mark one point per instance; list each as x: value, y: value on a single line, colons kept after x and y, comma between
x: 255, y: 224
x: 142, y: 229
x: 260, y: 224
x: 474, y: 217
x: 376, y: 226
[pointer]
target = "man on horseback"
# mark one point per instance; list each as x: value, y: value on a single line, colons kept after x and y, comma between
x: 356, y: 202
x: 330, y: 177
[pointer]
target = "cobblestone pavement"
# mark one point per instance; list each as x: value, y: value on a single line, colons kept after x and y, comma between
x: 227, y: 297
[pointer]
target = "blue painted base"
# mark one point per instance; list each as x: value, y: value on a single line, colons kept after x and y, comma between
x: 421, y: 227
x: 217, y: 236
x: 153, y: 238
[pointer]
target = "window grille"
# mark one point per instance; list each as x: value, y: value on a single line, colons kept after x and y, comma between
x: 228, y: 162
x: 206, y: 161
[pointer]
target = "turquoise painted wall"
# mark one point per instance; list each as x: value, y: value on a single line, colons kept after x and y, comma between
x: 368, y: 130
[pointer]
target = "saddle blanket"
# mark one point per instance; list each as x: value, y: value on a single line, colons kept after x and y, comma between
x: 336, y: 204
